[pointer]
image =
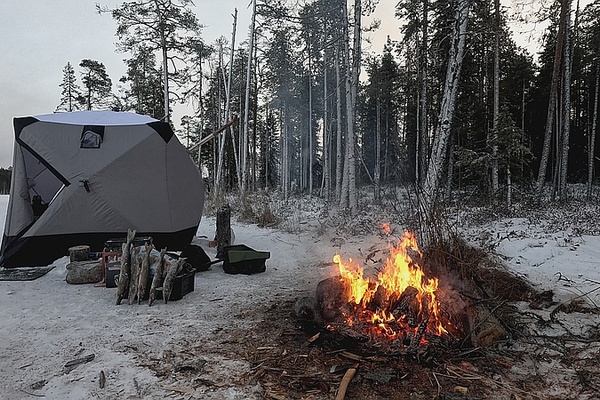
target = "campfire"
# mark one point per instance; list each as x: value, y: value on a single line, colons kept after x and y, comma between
x: 404, y: 307
x: 400, y: 304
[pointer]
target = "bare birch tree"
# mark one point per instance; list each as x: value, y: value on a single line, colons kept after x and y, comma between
x: 244, y: 152
x: 349, y: 196
x: 566, y: 107
x: 496, y: 111
x: 431, y: 187
x: 592, y: 135
x: 228, y: 114
x: 423, y: 132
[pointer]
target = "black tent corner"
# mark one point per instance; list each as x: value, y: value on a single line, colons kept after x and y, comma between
x: 163, y: 129
x: 20, y: 123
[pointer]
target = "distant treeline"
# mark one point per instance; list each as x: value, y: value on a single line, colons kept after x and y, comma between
x: 5, y: 174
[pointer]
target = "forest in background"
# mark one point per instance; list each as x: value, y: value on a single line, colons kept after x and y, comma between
x: 297, y: 106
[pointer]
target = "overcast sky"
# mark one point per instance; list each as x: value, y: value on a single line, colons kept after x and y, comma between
x: 39, y: 37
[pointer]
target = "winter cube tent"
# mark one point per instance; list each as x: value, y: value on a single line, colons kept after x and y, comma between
x: 85, y: 177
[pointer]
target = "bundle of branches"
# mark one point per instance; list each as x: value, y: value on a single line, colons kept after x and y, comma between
x: 146, y: 273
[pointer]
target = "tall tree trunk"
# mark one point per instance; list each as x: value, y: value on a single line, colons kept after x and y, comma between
x: 566, y: 108
x: 325, y: 183
x: 200, y: 109
x: 377, y: 166
x: 448, y: 189
x: 339, y: 165
x: 310, y: 131
x: 254, y: 148
x: 244, y: 152
x: 267, y: 146
x: 592, y: 136
x: 423, y: 133
x: 349, y: 195
x: 553, y: 95
x: 228, y: 115
x: 496, y: 112
x: 428, y: 195
x: 285, y: 164
x: 508, y: 186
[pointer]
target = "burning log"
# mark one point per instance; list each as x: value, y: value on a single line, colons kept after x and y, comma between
x: 404, y: 301
x: 332, y: 297
x: 416, y: 340
x: 382, y: 300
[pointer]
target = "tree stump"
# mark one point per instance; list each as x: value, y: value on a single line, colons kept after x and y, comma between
x: 223, y: 229
x: 79, y: 253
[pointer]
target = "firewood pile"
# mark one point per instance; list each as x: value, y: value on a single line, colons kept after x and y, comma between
x: 145, y: 275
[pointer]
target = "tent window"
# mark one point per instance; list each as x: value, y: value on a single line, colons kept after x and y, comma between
x: 91, y: 137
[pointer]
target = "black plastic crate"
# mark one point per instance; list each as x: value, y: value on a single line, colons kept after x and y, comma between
x: 241, y: 259
x: 111, y: 274
x: 115, y: 244
x: 182, y: 285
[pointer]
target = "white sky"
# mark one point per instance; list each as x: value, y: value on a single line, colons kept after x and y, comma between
x: 39, y: 37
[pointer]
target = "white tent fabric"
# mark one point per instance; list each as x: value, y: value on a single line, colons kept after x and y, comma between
x: 105, y: 118
x: 136, y: 174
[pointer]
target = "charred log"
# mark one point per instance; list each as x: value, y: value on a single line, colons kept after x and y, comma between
x: 401, y: 305
x: 332, y: 298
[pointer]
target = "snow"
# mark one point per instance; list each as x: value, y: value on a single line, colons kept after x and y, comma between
x: 47, y: 322
x: 557, y: 260
x: 103, y: 118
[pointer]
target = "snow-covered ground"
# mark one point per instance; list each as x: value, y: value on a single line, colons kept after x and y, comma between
x: 46, y: 323
x: 551, y: 259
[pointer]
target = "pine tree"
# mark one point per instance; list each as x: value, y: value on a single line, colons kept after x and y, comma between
x: 71, y: 98
x: 144, y: 94
x: 167, y: 26
x: 97, y: 84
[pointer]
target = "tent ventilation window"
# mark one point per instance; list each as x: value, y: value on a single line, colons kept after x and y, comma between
x: 91, y: 137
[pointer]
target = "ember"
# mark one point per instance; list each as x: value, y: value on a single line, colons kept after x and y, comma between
x: 400, y: 304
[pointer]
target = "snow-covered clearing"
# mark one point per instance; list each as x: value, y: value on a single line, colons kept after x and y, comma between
x: 211, y: 343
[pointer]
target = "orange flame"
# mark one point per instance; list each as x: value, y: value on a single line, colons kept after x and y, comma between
x: 400, y: 273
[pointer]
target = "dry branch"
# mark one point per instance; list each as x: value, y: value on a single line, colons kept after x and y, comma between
x: 345, y: 382
x: 157, y: 281
x: 70, y: 365
x: 135, y: 271
x: 144, y: 273
x: 125, y: 273
x: 174, y: 268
